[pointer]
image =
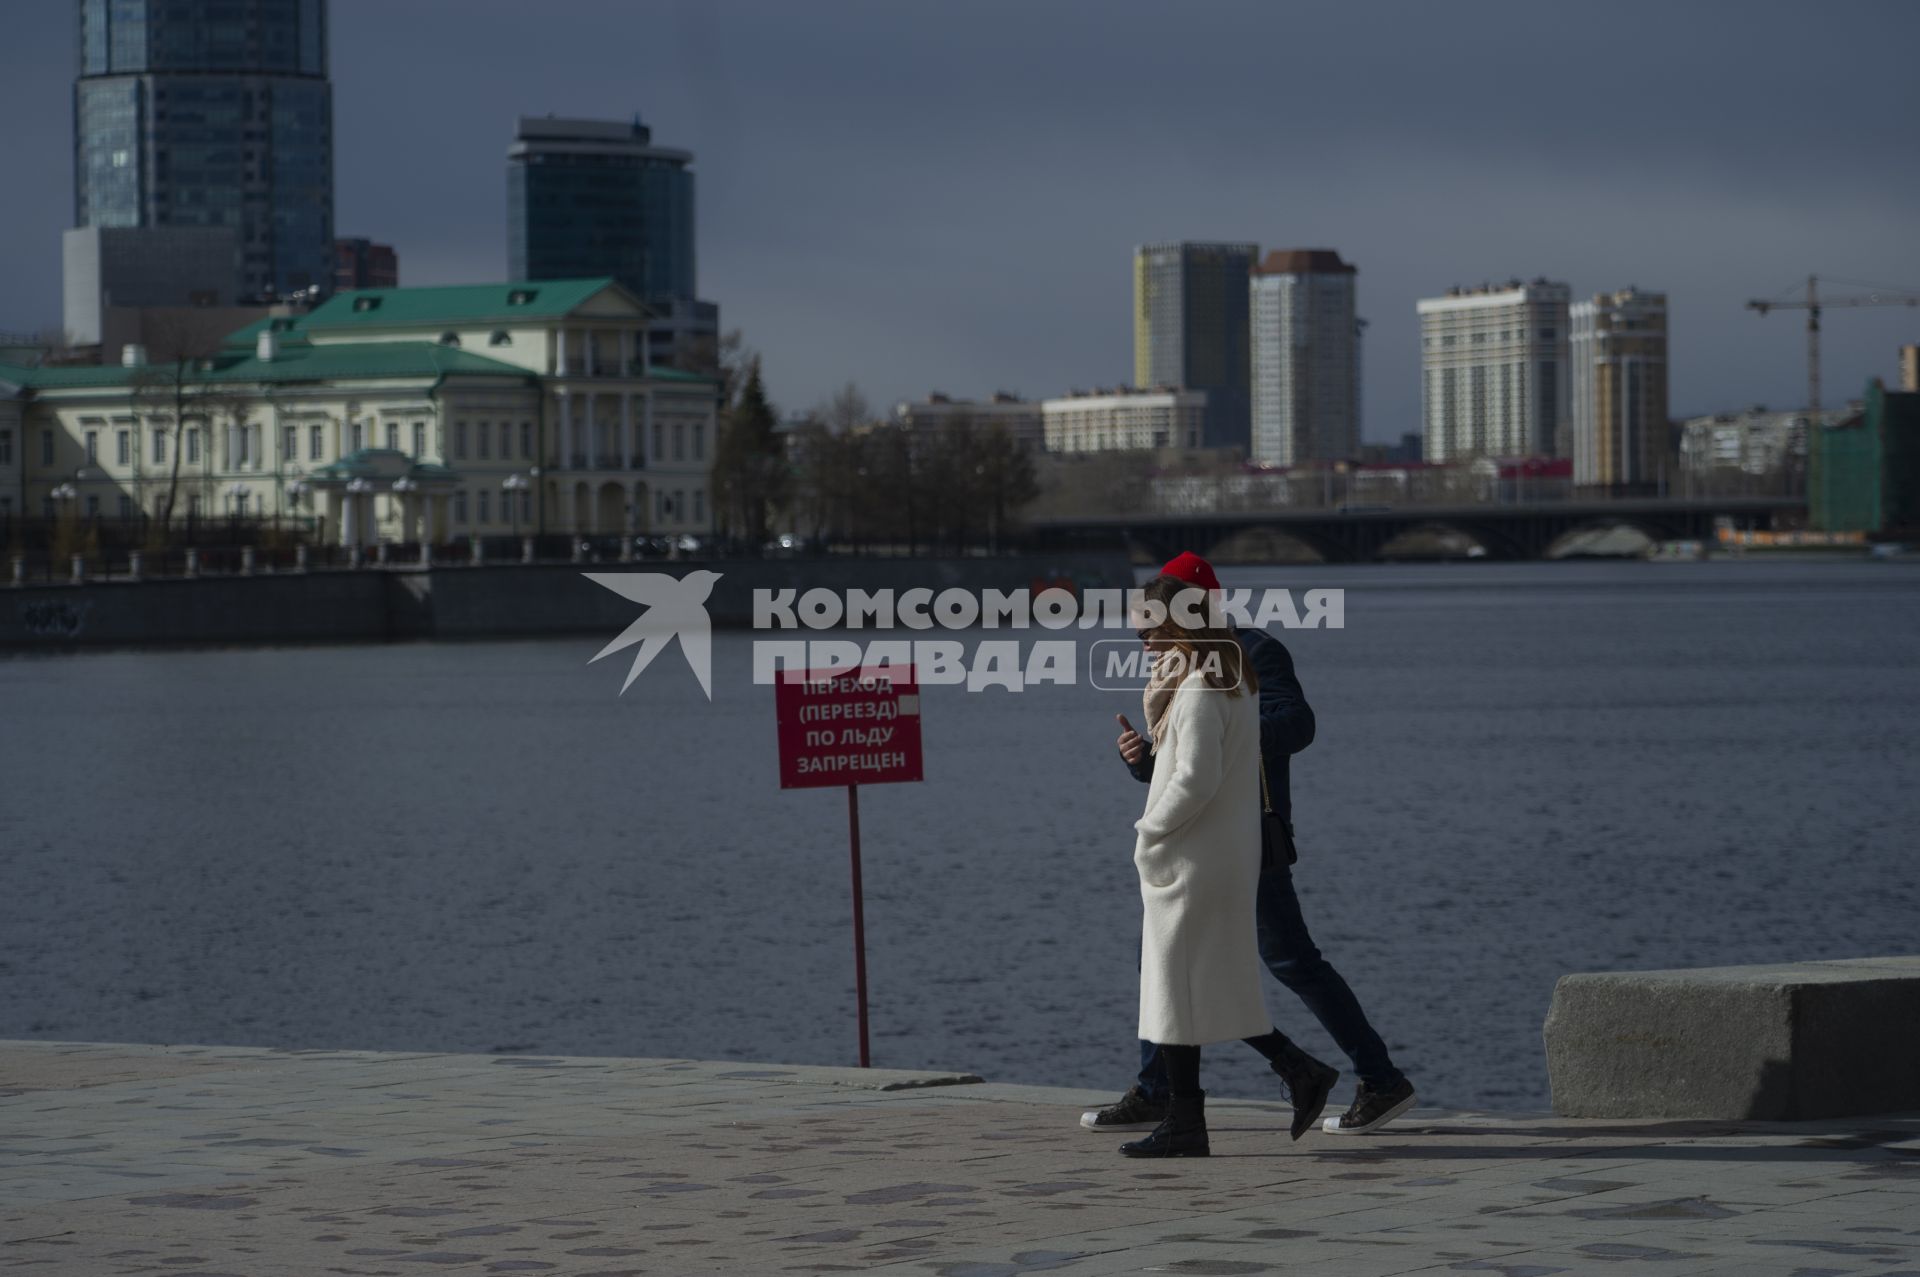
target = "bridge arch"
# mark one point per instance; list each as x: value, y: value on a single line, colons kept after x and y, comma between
x: 1269, y: 544
x: 1492, y: 542
x: 1651, y: 531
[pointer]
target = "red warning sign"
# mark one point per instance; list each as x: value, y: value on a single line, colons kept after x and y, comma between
x: 848, y: 727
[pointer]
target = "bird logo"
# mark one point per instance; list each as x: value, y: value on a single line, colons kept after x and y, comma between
x: 676, y: 609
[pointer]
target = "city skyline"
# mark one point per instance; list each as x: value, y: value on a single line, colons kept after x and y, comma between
x: 857, y: 227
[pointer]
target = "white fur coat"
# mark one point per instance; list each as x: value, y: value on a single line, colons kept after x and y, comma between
x: 1198, y: 854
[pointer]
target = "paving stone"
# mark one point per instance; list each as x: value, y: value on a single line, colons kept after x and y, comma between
x: 271, y: 1163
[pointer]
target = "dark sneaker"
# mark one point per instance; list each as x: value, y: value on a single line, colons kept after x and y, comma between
x: 1134, y: 1112
x: 1371, y: 1110
x: 1307, y: 1083
x: 1183, y: 1134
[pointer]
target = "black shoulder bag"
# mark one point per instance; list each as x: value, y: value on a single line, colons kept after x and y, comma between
x: 1276, y: 835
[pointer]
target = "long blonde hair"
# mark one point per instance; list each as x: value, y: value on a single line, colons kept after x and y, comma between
x: 1231, y: 672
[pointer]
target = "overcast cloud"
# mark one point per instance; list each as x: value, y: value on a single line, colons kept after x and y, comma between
x: 919, y: 196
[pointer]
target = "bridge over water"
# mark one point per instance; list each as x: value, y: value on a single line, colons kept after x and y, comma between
x: 1520, y: 530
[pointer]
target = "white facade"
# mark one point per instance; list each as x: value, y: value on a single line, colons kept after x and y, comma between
x: 1125, y: 420
x: 284, y: 426
x: 608, y: 415
x: 1306, y: 358
x: 1020, y: 418
x: 1494, y: 379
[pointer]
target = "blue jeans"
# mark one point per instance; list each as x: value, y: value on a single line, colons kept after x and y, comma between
x: 1289, y: 952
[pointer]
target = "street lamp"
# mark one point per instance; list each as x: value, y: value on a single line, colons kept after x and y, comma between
x: 403, y: 485
x: 514, y: 484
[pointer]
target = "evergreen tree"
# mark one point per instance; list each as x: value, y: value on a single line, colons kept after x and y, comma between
x: 750, y: 472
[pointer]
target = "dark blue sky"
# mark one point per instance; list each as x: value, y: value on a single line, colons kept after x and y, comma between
x: 945, y: 196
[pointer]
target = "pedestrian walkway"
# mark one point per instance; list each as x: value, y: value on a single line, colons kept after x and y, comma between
x: 119, y: 1159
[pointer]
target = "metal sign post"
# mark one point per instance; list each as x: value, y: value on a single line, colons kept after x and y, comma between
x: 850, y: 727
x: 859, y: 923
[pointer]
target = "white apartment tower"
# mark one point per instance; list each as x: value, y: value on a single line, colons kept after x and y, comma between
x: 1619, y: 351
x: 1306, y: 358
x: 1494, y: 370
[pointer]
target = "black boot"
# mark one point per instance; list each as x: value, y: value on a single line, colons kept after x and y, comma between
x: 1182, y: 1134
x: 1308, y: 1083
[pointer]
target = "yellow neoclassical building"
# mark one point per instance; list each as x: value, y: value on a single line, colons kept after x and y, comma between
x: 384, y: 415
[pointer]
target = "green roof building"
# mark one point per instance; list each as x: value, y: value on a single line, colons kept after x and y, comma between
x: 1864, y: 471
x: 396, y: 414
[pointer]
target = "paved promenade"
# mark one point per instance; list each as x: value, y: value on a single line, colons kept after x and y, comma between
x: 217, y: 1160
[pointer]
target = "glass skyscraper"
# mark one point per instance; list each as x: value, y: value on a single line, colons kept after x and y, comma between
x: 211, y: 113
x: 587, y: 198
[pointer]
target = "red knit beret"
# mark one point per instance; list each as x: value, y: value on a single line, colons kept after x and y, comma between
x: 1192, y: 569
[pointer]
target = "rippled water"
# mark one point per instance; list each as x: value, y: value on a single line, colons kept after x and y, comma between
x: 1521, y: 771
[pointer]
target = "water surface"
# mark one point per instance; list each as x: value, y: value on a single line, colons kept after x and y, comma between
x: 1521, y: 771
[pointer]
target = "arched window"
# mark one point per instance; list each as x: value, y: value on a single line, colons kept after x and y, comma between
x: 449, y: 339
x: 500, y: 338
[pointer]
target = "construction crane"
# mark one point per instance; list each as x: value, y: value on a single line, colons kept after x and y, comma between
x: 1815, y: 303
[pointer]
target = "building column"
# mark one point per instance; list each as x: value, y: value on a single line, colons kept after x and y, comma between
x: 358, y: 518
x: 646, y: 431
x: 626, y: 430
x: 334, y: 516
x: 593, y: 432
x: 560, y: 352
x: 566, y: 427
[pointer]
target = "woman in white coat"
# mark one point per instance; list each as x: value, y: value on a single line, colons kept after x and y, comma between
x: 1198, y: 855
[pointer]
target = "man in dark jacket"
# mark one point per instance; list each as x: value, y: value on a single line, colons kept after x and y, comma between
x: 1286, y: 728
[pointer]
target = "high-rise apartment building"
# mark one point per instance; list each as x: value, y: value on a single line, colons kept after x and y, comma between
x: 1618, y: 352
x: 593, y: 198
x: 1306, y: 358
x: 211, y: 113
x: 1494, y: 370
x: 1190, y: 329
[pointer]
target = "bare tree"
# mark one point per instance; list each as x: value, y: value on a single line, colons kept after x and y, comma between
x: 175, y: 384
x: 845, y: 411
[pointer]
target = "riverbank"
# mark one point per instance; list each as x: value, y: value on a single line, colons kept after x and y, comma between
x: 222, y: 1160
x: 378, y: 604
